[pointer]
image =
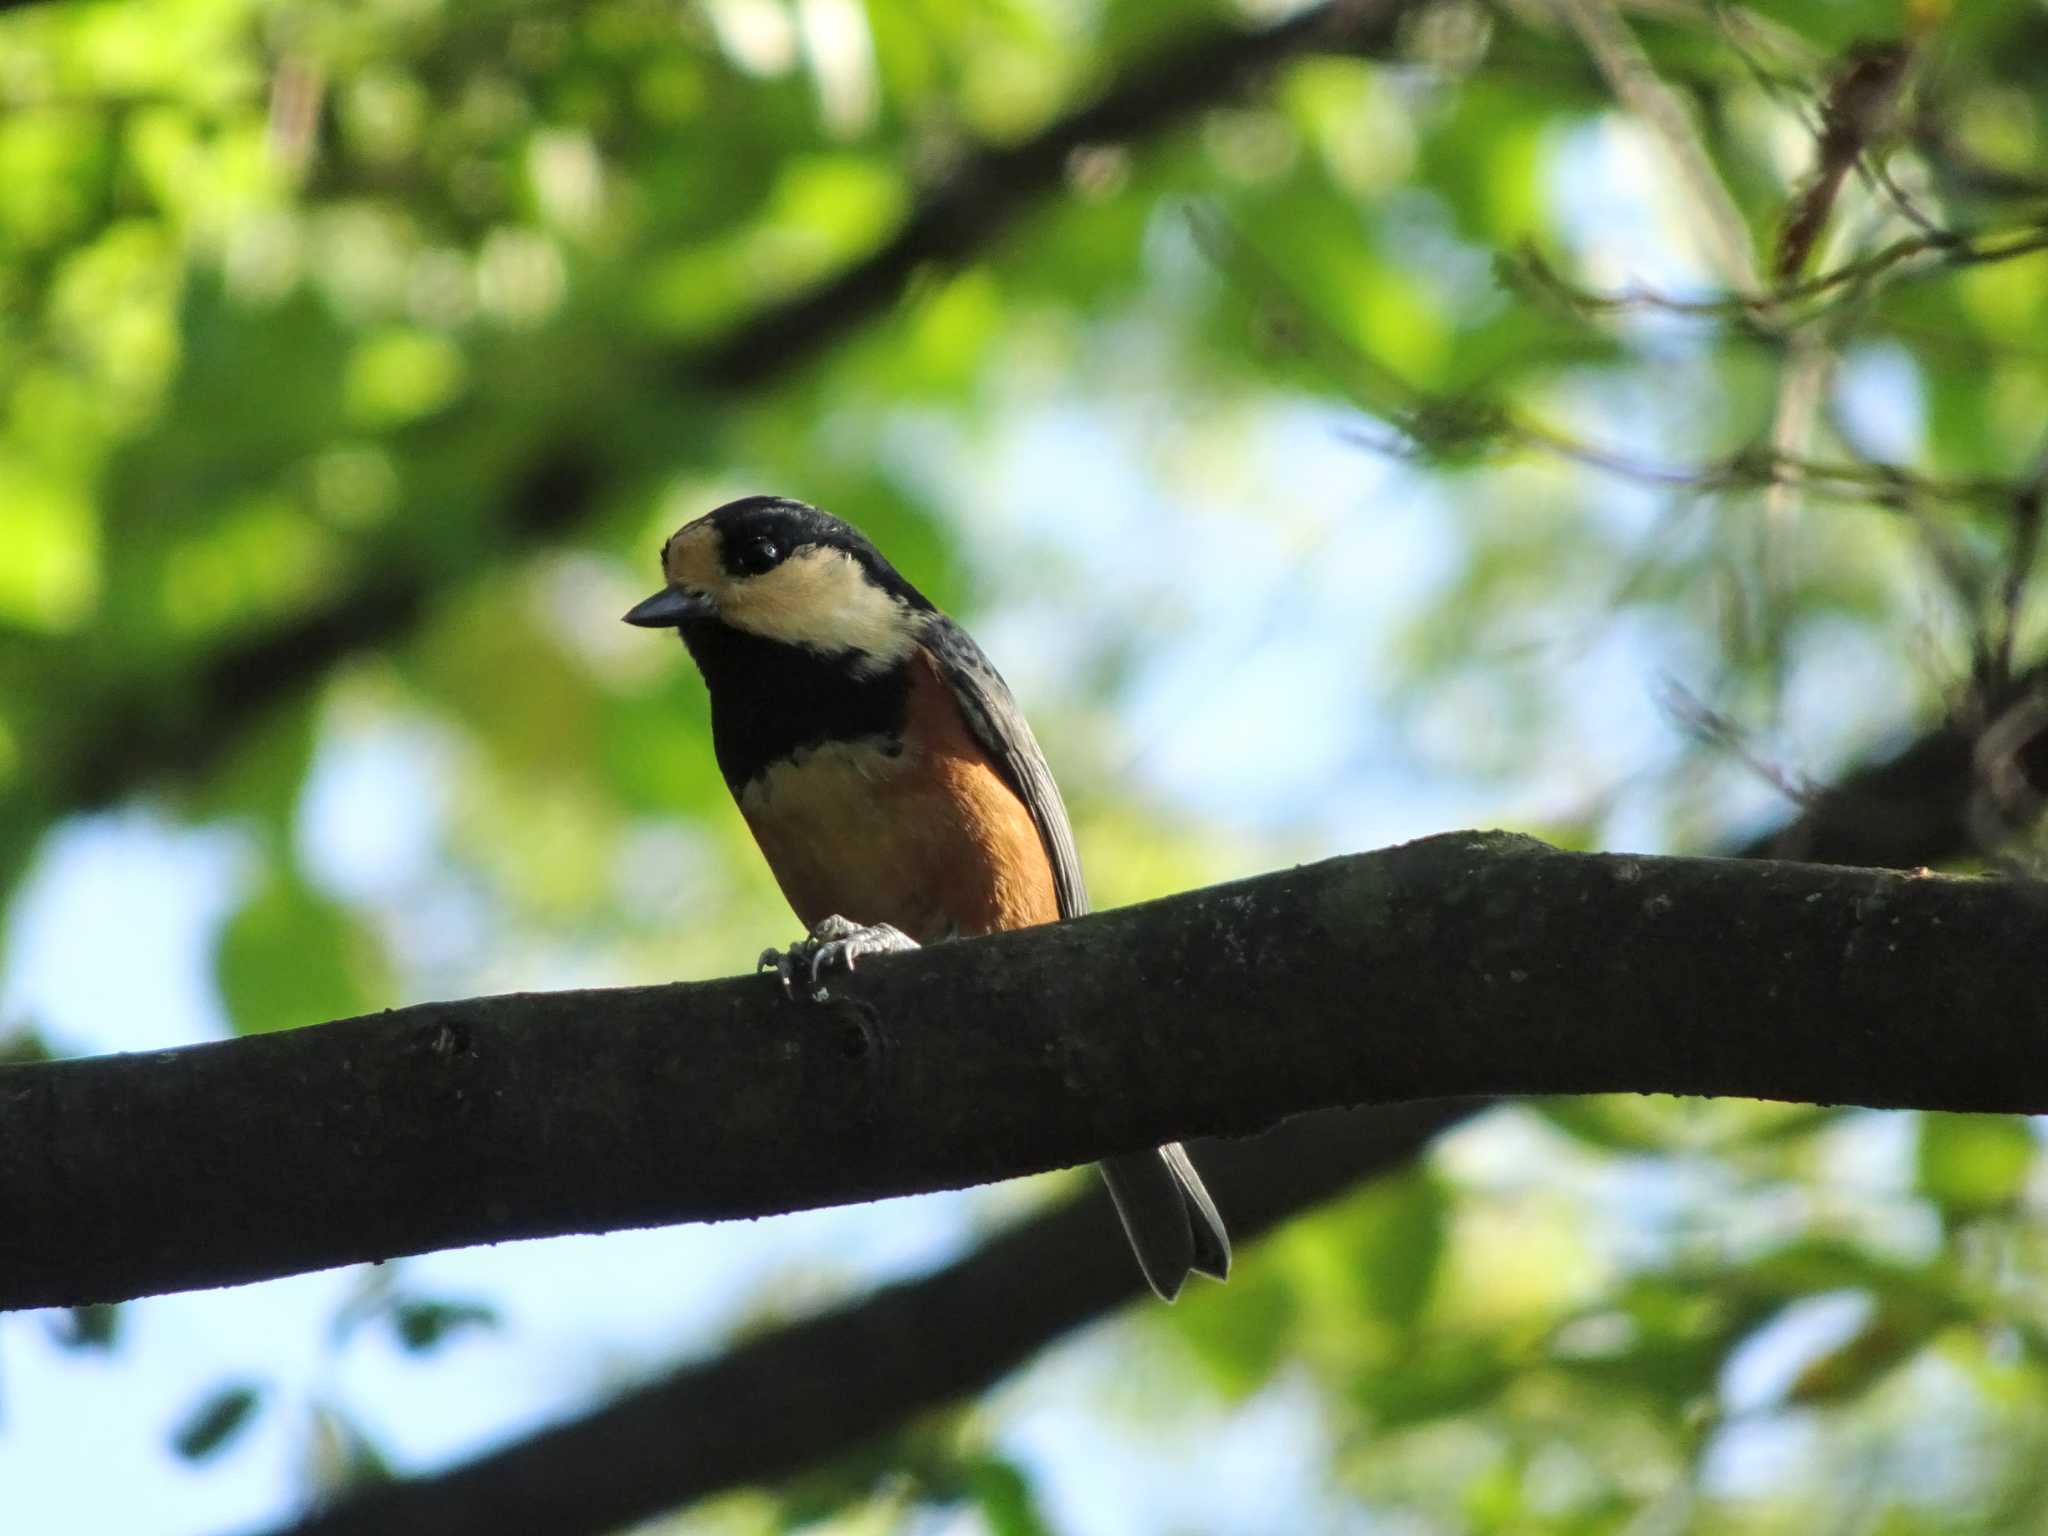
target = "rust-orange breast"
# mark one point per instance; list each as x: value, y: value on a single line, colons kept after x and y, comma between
x: 922, y: 832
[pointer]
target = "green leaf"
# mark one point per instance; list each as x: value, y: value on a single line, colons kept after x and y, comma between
x: 1396, y: 1237
x: 1633, y: 1123
x: 23, y: 1044
x: 1892, y: 1336
x: 1003, y: 1494
x: 1973, y: 1165
x: 1242, y: 1331
x: 402, y: 374
x: 1660, y: 1336
x: 1812, y: 1265
x: 423, y: 1325
x: 90, y: 1327
x: 292, y: 957
x: 209, y: 1427
x: 261, y: 774
x: 1611, y: 1122
x: 51, y: 577
x: 1445, y: 1377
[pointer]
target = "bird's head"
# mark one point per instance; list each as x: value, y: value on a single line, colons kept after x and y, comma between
x: 787, y: 573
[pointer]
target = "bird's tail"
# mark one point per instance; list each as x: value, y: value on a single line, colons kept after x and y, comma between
x: 1168, y: 1216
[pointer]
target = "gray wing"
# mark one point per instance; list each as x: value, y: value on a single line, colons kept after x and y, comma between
x: 999, y: 725
x: 1168, y: 1216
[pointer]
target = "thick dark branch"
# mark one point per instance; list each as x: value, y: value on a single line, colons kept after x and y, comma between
x: 1460, y: 965
x: 1930, y: 802
x: 815, y: 1390
x: 133, y: 741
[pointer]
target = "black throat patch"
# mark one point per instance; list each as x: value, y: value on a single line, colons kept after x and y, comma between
x: 770, y: 701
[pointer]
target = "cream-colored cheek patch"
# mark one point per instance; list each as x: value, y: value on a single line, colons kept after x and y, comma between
x: 821, y: 598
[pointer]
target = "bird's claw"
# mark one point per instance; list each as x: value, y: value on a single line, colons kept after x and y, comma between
x: 834, y: 944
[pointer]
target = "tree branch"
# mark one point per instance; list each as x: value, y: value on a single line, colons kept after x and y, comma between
x: 1459, y: 965
x: 780, y: 1403
x: 1923, y: 804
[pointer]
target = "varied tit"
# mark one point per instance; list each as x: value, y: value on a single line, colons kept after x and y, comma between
x: 890, y: 780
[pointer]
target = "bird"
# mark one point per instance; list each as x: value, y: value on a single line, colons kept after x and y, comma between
x: 890, y: 781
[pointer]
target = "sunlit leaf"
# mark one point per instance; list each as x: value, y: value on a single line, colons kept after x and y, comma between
x: 1973, y: 1164
x: 1003, y: 1495
x: 1242, y: 1333
x: 399, y: 375
x: 51, y: 576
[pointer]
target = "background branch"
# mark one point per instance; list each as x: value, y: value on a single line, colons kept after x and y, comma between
x: 1918, y: 805
x: 778, y: 1404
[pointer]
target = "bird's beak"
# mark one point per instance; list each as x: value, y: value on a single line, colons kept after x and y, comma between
x: 670, y: 608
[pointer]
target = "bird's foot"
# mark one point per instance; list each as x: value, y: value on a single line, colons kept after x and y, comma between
x: 834, y: 944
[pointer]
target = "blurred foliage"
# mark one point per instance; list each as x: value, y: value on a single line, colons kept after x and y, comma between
x: 355, y: 358
x: 418, y: 1323
x: 94, y: 1327
x: 216, y: 1421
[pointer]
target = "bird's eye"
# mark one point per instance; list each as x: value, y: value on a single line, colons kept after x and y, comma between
x: 758, y: 555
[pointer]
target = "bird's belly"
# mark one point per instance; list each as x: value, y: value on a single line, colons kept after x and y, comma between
x: 880, y: 831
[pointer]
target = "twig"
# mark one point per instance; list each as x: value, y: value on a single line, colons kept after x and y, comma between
x: 1448, y: 428
x: 1955, y: 247
x: 2026, y: 545
x: 1877, y: 173
x: 1635, y: 83
x: 1855, y: 113
x: 2008, y: 797
x: 1700, y: 720
x: 1801, y: 384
